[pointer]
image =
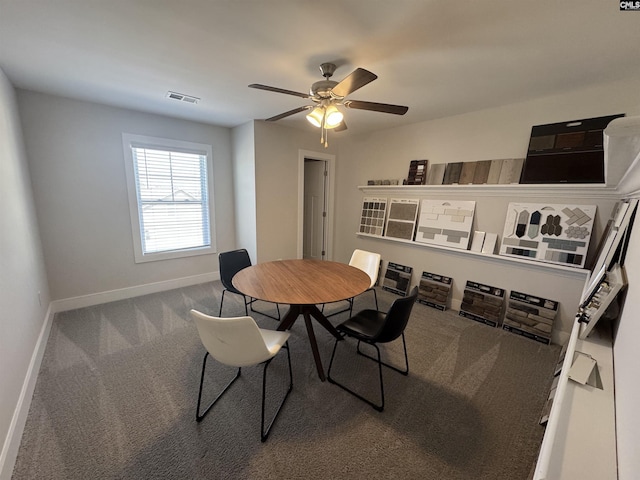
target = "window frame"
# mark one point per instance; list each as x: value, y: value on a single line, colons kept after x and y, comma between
x: 130, y: 141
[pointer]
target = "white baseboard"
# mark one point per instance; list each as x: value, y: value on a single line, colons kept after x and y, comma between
x: 16, y: 428
x: 14, y: 435
x: 130, y: 292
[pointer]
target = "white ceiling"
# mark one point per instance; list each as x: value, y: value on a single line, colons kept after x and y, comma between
x: 439, y: 57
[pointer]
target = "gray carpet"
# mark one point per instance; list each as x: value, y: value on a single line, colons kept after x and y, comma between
x: 116, y: 394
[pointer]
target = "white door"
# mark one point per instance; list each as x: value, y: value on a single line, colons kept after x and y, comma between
x: 315, y: 212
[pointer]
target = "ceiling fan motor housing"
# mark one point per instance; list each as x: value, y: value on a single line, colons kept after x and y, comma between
x: 322, y: 89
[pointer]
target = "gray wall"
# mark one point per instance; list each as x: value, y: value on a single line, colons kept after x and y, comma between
x: 77, y: 168
x: 489, y: 134
x: 22, y: 271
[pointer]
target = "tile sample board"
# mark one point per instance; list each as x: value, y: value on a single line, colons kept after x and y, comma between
x: 445, y: 222
x: 494, y: 172
x: 530, y: 316
x: 372, y: 216
x: 434, y: 290
x: 482, y: 303
x: 397, y: 279
x: 401, y: 220
x: 557, y: 234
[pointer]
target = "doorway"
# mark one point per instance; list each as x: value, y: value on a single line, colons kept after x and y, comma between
x: 315, y: 205
x: 315, y: 209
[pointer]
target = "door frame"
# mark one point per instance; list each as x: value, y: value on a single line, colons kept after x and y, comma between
x: 329, y: 194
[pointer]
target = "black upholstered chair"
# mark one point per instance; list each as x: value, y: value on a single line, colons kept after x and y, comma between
x: 374, y: 327
x: 231, y: 263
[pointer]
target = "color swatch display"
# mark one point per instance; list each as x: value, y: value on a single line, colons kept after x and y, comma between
x: 401, y: 220
x: 372, y: 217
x: 548, y: 233
x: 417, y: 172
x: 434, y: 290
x: 530, y: 316
x: 482, y: 303
x: 397, y: 279
x: 445, y: 222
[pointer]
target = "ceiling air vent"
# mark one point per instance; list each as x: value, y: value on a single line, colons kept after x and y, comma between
x: 182, y: 97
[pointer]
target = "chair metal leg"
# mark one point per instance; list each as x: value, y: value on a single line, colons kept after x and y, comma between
x: 375, y: 296
x: 200, y: 416
x: 404, y: 372
x: 377, y: 407
x: 253, y: 300
x: 348, y: 309
x: 264, y: 434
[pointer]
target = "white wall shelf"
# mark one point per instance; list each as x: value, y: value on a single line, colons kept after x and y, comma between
x: 564, y: 190
x: 578, y: 272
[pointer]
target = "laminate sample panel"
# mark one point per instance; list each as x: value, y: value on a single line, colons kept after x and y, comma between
x: 467, y: 173
x: 494, y: 172
x: 481, y: 174
x: 452, y: 173
x: 445, y: 222
x: 401, y: 219
x: 511, y: 170
x: 436, y: 174
x: 548, y: 233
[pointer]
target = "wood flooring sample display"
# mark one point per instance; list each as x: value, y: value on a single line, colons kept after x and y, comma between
x: 436, y: 174
x: 467, y: 173
x: 481, y: 174
x: 482, y: 303
x: 494, y: 172
x: 511, y: 170
x: 452, y: 173
x: 401, y: 219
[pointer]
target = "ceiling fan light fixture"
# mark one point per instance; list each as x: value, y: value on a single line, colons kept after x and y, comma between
x: 333, y: 117
x: 315, y: 116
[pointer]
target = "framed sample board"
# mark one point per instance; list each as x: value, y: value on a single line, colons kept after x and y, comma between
x: 372, y: 216
x: 530, y: 316
x: 417, y: 172
x: 445, y: 222
x: 482, y: 303
x: 434, y: 290
x: 401, y: 219
x: 397, y: 279
x: 557, y: 234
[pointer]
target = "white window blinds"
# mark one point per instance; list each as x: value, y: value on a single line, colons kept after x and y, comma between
x: 171, y: 200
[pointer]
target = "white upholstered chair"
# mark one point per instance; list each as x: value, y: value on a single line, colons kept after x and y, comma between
x: 239, y: 342
x: 369, y: 263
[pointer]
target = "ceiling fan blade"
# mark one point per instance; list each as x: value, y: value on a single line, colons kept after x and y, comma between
x: 377, y: 107
x: 278, y: 90
x: 355, y: 80
x: 290, y: 112
x: 342, y: 126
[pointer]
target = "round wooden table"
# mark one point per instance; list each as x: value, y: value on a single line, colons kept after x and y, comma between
x: 303, y: 284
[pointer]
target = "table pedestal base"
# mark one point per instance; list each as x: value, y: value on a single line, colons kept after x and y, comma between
x: 308, y: 311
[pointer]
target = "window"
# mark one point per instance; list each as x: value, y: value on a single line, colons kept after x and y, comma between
x: 170, y: 197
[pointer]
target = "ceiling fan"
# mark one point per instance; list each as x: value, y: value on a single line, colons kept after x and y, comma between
x: 327, y: 95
